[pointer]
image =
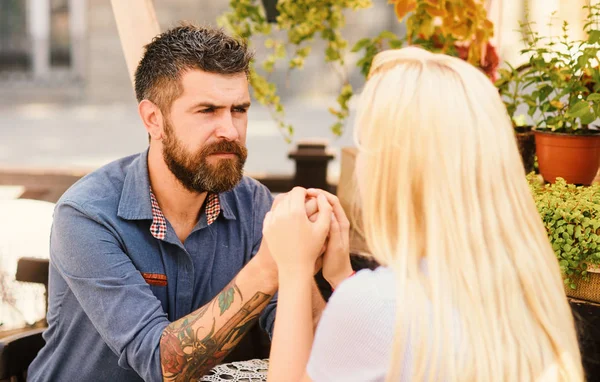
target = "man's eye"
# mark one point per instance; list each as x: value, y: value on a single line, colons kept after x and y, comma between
x: 206, y: 111
x: 240, y: 110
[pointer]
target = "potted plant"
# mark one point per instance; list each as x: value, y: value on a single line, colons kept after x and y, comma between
x: 565, y: 101
x: 511, y: 85
x: 571, y: 216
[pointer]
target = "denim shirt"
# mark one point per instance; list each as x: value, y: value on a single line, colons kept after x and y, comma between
x: 106, y: 315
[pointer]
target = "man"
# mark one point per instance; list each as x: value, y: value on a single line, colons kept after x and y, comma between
x: 157, y: 268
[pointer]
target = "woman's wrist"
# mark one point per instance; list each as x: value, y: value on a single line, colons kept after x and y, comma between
x: 337, y: 279
x: 296, y: 278
x: 295, y: 272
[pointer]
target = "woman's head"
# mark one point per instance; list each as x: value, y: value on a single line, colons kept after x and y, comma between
x: 445, y: 204
x: 432, y: 131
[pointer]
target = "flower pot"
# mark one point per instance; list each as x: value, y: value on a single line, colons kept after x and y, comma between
x: 271, y: 10
x: 586, y: 290
x: 575, y: 158
x: 526, y: 142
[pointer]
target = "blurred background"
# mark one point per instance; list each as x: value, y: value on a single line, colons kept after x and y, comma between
x: 66, y: 101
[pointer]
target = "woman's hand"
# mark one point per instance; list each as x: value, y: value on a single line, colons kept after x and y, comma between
x: 336, y: 260
x: 293, y: 240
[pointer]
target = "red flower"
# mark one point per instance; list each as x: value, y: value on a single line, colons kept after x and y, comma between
x: 172, y: 354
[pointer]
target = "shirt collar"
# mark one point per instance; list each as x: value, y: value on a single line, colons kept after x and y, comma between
x: 158, y: 228
x: 136, y: 200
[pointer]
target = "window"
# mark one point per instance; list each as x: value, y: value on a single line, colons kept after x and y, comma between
x: 41, y: 41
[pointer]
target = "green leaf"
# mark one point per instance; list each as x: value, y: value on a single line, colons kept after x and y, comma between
x: 594, y: 37
x: 544, y: 92
x: 389, y: 35
x: 582, y: 60
x: 226, y: 299
x: 578, y: 110
x: 361, y: 44
x: 396, y: 44
x: 588, y: 118
x: 594, y: 97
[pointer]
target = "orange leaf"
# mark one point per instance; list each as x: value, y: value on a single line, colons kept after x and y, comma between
x: 436, y: 11
x: 404, y: 7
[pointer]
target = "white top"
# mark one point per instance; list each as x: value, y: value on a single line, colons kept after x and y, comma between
x: 354, y: 338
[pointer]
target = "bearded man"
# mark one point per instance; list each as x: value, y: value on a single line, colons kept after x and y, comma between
x: 156, y: 265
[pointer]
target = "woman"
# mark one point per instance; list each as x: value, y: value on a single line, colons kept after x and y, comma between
x: 469, y: 288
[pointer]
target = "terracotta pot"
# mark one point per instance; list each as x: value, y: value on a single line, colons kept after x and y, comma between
x: 526, y: 143
x: 575, y: 158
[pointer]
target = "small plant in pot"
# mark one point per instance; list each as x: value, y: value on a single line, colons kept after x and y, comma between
x: 571, y: 216
x: 565, y: 100
x: 511, y: 86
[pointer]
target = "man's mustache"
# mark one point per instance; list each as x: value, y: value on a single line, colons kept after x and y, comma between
x: 224, y: 147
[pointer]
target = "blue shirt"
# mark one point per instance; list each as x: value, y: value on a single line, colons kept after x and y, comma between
x: 114, y: 286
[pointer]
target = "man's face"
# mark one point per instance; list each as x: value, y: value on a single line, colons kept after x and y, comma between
x: 205, y: 134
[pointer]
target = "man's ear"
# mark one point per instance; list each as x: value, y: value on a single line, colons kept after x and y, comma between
x: 152, y: 119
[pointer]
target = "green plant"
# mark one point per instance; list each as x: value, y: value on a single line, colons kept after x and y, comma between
x: 302, y: 21
x: 571, y: 216
x: 511, y: 85
x: 456, y: 27
x: 565, y: 75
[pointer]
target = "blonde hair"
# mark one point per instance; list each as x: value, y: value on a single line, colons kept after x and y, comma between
x: 441, y: 180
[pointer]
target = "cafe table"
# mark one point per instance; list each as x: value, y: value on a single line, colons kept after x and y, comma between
x: 254, y: 370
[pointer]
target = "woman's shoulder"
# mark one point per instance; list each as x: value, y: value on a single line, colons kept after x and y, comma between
x: 371, y: 290
x: 380, y: 282
x: 355, y: 333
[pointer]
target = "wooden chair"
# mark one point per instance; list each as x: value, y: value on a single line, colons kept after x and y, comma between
x: 18, y: 350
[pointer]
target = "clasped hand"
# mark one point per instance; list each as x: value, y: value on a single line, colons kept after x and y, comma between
x: 305, y: 227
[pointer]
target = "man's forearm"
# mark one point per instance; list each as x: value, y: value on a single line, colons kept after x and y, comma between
x: 194, y: 344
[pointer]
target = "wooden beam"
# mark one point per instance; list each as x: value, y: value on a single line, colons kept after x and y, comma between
x: 137, y: 24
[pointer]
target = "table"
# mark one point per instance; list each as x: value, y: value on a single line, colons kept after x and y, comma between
x: 24, y: 232
x: 11, y: 192
x: 254, y: 370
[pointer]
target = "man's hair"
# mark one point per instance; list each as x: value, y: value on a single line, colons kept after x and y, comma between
x: 172, y: 53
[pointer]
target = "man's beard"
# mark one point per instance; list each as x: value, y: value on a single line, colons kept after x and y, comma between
x: 194, y: 171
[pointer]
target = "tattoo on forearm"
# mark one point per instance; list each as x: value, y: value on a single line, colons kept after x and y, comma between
x: 185, y: 355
